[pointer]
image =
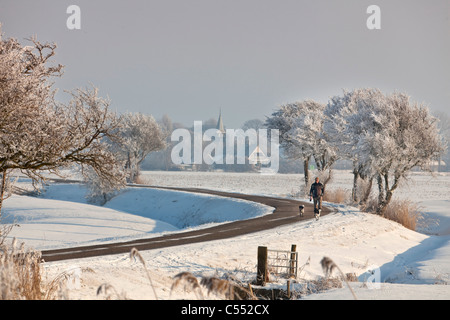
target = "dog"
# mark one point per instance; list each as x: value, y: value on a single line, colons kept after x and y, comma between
x: 301, y: 208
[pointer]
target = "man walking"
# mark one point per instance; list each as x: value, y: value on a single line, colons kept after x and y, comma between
x: 316, y: 192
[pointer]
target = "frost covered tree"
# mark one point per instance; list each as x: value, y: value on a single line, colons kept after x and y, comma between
x: 253, y: 124
x: 89, y: 128
x: 166, y: 126
x: 444, y: 131
x: 39, y: 135
x: 302, y: 136
x: 410, y: 139
x: 308, y: 132
x: 384, y: 135
x: 140, y: 135
x: 349, y: 119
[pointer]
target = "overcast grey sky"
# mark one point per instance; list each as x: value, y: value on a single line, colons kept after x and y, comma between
x: 189, y: 58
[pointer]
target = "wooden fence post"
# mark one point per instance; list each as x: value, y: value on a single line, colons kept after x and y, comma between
x: 288, y: 289
x: 292, y: 261
x: 261, y: 276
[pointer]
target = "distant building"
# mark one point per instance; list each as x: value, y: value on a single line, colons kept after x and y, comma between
x: 220, y: 126
x: 258, y: 157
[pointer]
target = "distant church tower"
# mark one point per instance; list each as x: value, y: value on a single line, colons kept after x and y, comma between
x: 220, y: 123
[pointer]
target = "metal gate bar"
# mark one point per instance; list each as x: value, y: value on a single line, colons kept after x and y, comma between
x: 285, y: 260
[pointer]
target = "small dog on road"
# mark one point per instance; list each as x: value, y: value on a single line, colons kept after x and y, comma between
x: 302, y: 210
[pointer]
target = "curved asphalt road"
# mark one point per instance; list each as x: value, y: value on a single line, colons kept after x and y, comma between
x: 286, y: 212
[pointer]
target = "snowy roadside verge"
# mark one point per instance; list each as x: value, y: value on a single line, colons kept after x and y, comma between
x: 61, y: 218
x: 355, y: 241
x: 417, y: 263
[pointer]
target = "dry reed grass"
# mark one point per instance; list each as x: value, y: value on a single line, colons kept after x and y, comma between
x: 135, y: 253
x: 219, y: 286
x: 109, y: 290
x: 405, y: 212
x: 20, y: 274
x: 320, y: 285
x: 231, y: 290
x: 224, y: 288
x: 20, y: 279
x: 189, y: 282
x: 140, y: 179
x: 338, y: 195
x: 328, y: 266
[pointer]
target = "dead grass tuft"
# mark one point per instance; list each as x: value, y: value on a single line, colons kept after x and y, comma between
x: 189, y: 282
x: 322, y: 284
x: 218, y: 286
x: 145, y: 180
x: 224, y: 288
x: 135, y: 253
x: 328, y: 266
x: 337, y: 196
x: 109, y: 292
x: 405, y: 212
x: 20, y: 273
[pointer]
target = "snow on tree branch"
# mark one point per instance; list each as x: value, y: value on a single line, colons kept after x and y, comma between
x: 39, y: 135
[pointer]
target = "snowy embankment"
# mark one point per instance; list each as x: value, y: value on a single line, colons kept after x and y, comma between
x: 408, y: 264
x: 60, y: 217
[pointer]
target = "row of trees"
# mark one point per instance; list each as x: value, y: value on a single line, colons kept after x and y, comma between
x: 384, y: 136
x: 39, y: 135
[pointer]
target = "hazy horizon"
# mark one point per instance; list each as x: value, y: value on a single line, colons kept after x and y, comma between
x: 190, y: 59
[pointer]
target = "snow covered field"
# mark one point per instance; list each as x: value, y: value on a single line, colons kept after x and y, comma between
x: 408, y: 264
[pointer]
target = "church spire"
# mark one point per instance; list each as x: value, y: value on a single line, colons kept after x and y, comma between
x: 220, y: 123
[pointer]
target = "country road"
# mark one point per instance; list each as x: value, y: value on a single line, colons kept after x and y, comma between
x: 285, y: 212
